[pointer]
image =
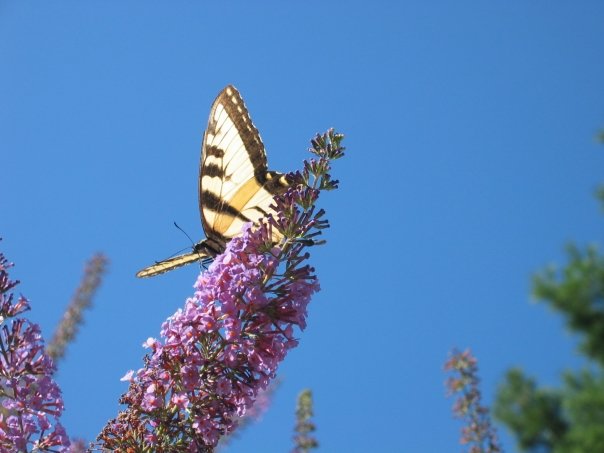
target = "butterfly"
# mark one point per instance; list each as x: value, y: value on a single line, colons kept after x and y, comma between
x: 235, y: 185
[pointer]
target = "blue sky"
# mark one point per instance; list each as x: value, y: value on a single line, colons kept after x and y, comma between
x: 471, y: 161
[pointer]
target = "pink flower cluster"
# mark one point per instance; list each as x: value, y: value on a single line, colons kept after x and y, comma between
x: 222, y: 349
x: 218, y: 352
x: 31, y: 399
x: 478, y: 432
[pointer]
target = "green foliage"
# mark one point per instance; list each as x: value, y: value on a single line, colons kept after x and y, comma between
x: 584, y: 406
x: 600, y: 196
x: 533, y: 415
x: 569, y: 419
x: 577, y: 292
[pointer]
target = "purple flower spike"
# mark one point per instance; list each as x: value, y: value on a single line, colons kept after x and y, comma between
x: 30, y: 399
x: 478, y: 433
x: 219, y: 352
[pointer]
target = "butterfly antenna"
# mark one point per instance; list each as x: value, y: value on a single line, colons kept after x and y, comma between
x: 185, y: 233
x: 202, y: 263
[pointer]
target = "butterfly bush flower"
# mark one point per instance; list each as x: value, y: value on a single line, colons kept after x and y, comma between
x: 478, y: 432
x: 253, y: 415
x: 78, y: 446
x: 222, y: 349
x: 304, y: 441
x: 74, y: 315
x: 31, y: 400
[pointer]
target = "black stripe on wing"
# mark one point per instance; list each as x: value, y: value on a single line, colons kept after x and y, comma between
x: 212, y: 202
x: 236, y: 109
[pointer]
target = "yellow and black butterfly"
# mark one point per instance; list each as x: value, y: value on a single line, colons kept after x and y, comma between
x: 235, y: 185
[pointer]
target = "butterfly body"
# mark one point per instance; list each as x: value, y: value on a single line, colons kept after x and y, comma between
x: 235, y: 185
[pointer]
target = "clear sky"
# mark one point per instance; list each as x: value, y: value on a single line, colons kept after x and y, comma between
x: 471, y: 161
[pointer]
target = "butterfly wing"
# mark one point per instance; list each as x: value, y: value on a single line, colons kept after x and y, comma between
x: 235, y: 185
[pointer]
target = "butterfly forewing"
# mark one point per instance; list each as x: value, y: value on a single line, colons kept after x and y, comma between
x: 234, y: 184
